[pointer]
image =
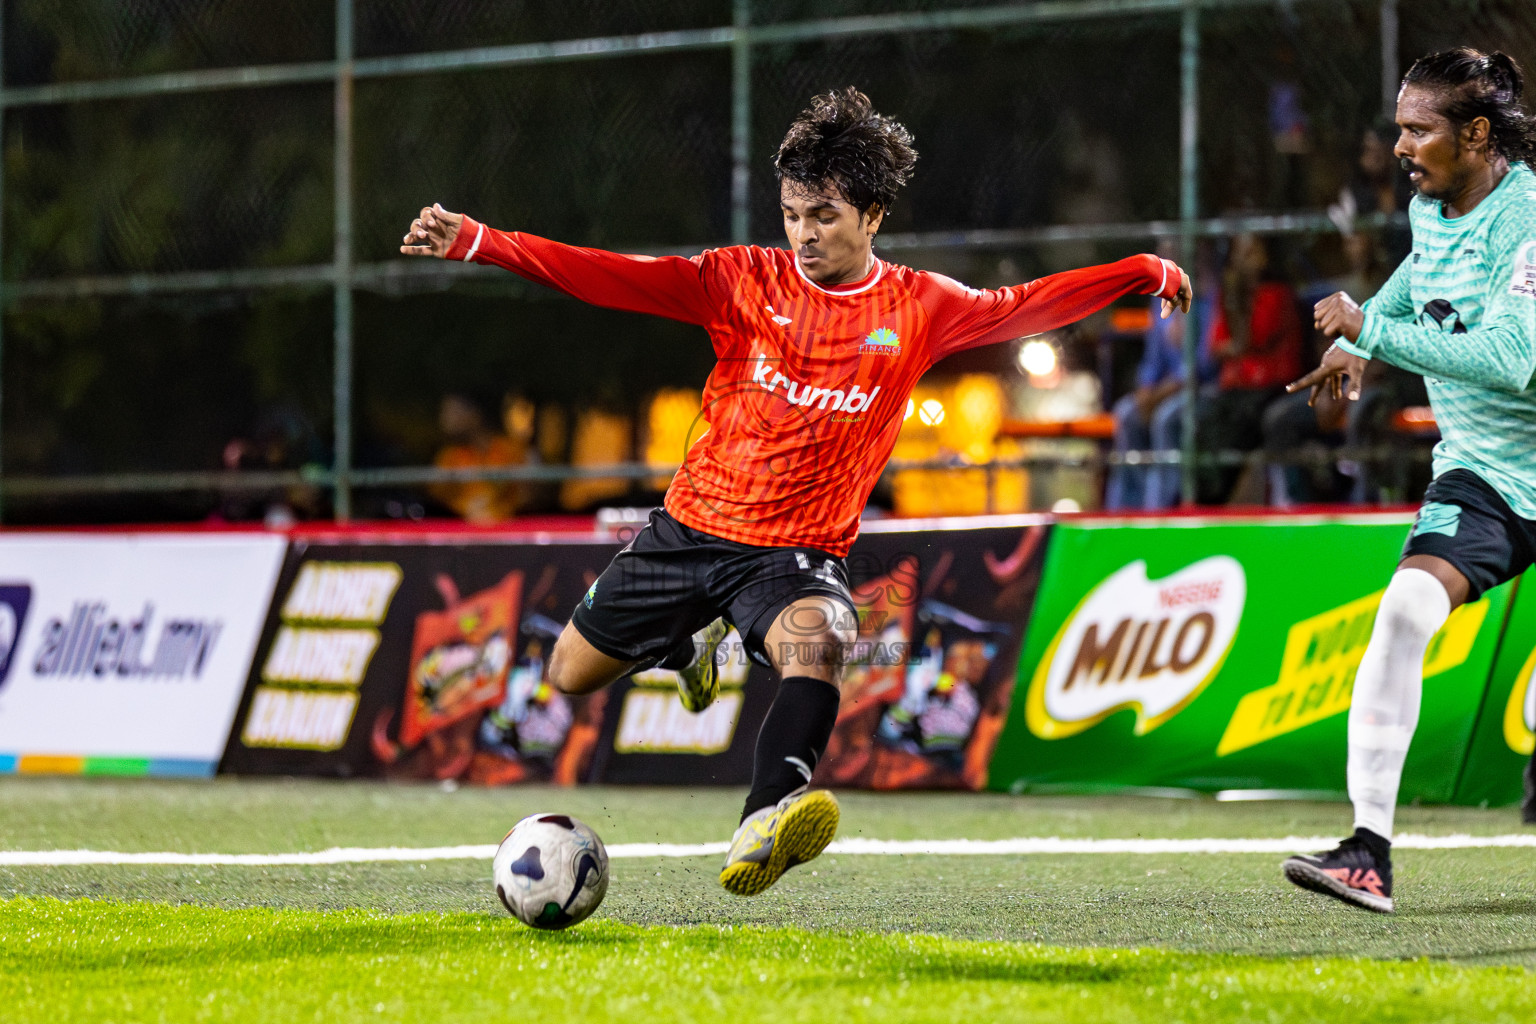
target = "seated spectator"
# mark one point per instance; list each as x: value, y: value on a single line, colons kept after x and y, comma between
x: 1147, y: 417
x: 1292, y: 426
x: 1258, y: 336
x: 470, y: 443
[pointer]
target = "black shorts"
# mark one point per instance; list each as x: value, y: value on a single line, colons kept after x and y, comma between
x: 672, y: 581
x: 1465, y: 522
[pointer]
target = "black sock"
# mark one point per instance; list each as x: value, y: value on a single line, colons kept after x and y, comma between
x: 1380, y: 846
x: 795, y: 733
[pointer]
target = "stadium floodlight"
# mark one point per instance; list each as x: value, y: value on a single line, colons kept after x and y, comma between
x: 1037, y: 357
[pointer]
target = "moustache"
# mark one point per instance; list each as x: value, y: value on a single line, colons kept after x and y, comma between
x: 1409, y: 165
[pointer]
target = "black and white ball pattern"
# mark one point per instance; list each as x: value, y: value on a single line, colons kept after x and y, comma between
x: 550, y: 871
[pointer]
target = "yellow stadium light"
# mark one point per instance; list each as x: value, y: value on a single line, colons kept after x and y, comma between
x: 931, y: 412
x: 975, y: 411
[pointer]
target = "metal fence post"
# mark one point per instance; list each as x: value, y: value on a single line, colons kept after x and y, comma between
x: 342, y: 371
x: 741, y: 125
x: 1189, y: 210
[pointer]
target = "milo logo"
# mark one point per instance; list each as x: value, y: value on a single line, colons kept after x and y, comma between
x: 1152, y: 645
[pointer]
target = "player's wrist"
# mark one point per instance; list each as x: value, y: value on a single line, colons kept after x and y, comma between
x: 1166, y: 279
x: 465, y: 242
x: 1364, y: 342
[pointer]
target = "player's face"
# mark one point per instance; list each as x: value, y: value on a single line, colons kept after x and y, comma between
x: 1438, y: 164
x: 830, y: 238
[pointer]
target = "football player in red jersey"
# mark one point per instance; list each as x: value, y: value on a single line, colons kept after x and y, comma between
x: 818, y: 347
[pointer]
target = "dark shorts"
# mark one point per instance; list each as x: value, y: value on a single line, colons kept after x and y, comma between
x: 672, y: 581
x: 1465, y: 522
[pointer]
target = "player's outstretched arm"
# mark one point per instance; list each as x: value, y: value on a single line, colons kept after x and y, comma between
x: 669, y: 286
x: 964, y: 318
x: 432, y: 233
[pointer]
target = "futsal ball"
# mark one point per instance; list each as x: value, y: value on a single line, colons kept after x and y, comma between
x: 551, y: 871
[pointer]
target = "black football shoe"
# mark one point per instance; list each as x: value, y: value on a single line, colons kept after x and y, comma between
x: 1351, y: 872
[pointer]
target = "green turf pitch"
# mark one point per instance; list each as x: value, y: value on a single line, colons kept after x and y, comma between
x: 136, y: 961
x: 1026, y: 937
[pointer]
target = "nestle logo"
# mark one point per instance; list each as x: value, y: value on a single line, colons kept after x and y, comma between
x: 15, y: 598
x: 1204, y: 592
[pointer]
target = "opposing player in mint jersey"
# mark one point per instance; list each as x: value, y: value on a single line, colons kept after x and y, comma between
x: 818, y: 346
x: 1461, y: 310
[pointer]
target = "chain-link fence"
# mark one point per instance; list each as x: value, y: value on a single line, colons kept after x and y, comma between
x: 204, y: 309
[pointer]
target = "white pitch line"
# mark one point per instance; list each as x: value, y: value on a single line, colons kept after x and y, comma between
x: 851, y: 847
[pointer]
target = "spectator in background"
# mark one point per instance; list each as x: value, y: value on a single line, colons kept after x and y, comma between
x: 281, y: 438
x: 471, y: 442
x: 1258, y: 337
x: 1376, y: 186
x: 1147, y: 418
x: 1291, y: 425
x: 523, y: 422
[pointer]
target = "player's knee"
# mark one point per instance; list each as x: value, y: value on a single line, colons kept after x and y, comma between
x: 1414, y: 606
x: 813, y: 651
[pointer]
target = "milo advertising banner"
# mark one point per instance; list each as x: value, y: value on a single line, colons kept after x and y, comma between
x: 1220, y: 655
x: 1506, y: 729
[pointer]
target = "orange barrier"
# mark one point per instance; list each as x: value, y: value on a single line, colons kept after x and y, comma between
x: 1099, y: 427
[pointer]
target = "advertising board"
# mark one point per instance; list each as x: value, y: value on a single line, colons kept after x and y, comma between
x: 429, y: 660
x: 1505, y: 737
x: 127, y: 654
x: 942, y: 610
x: 1220, y: 655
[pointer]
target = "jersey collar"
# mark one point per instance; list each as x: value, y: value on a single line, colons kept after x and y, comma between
x: 854, y: 288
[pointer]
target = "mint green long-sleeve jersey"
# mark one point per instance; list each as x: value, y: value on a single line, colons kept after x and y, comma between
x: 1461, y: 310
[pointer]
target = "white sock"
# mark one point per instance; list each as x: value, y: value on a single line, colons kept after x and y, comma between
x: 1385, y: 707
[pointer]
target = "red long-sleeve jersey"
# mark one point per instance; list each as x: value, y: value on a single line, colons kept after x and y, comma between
x: 811, y: 383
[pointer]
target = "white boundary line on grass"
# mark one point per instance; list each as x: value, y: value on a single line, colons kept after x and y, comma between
x: 853, y: 847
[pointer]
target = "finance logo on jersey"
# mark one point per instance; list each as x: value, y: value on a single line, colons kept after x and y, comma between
x: 881, y: 341
x: 1152, y: 645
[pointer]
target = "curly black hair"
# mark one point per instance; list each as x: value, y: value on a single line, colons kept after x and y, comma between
x: 1476, y: 84
x: 839, y: 140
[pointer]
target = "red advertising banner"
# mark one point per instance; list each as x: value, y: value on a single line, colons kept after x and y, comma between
x: 930, y: 682
x: 429, y: 660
